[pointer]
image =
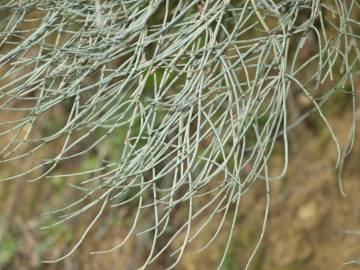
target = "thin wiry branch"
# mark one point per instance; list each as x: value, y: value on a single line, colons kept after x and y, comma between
x: 193, y: 92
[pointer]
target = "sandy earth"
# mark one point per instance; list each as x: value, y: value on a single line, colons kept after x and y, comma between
x: 306, y: 228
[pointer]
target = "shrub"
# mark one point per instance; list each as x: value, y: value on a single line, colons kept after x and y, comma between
x: 179, y: 103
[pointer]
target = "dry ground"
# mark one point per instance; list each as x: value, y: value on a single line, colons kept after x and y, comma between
x: 306, y: 229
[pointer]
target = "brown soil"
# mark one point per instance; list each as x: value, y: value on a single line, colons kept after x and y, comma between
x: 306, y: 228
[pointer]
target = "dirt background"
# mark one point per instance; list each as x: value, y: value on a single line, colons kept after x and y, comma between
x: 306, y: 227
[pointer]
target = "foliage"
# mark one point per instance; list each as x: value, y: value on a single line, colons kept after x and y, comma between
x: 182, y: 101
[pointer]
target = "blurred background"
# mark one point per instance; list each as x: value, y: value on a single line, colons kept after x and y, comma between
x: 306, y: 228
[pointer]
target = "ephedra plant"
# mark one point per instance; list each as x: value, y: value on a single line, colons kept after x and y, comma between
x: 191, y: 95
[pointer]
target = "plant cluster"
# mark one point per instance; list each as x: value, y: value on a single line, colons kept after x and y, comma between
x: 194, y: 93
